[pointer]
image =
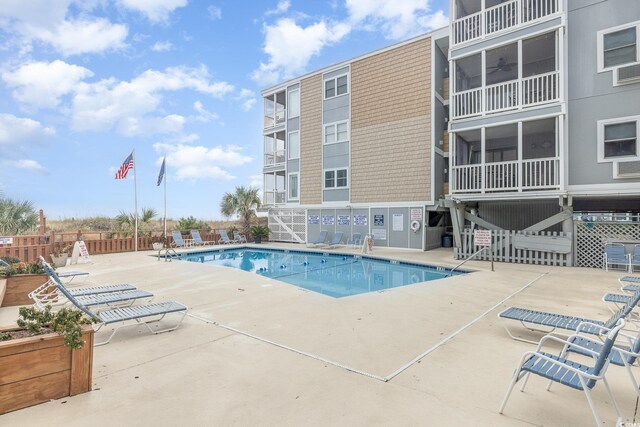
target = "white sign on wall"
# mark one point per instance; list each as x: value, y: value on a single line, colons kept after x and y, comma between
x: 6, y: 240
x: 398, y: 222
x: 379, y: 233
x: 416, y: 214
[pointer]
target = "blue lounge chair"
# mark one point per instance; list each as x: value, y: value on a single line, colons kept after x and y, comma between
x: 554, y: 321
x: 178, y: 241
x: 620, y: 355
x: 240, y: 238
x: 634, y: 260
x: 614, y: 254
x: 114, y: 295
x: 142, y: 314
x: 224, y: 237
x: 355, y: 240
x: 337, y: 239
x: 322, y: 238
x: 559, y: 369
x: 71, y: 275
x: 197, y: 239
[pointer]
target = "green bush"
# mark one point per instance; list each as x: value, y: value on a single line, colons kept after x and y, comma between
x: 22, y: 268
x: 10, y: 259
x: 259, y: 231
x: 65, y: 322
x: 185, y: 225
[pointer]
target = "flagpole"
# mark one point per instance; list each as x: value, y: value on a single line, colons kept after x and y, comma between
x: 164, y: 163
x: 135, y: 198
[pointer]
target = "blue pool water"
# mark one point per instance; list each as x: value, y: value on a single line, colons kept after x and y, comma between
x: 330, y: 274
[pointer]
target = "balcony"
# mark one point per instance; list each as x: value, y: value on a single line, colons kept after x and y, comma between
x: 528, y: 175
x: 275, y: 112
x: 275, y: 158
x: 497, y: 18
x: 511, y: 95
x: 274, y: 198
x: 517, y: 157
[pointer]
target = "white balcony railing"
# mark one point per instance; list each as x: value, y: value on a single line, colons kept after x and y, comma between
x: 467, y: 103
x: 541, y: 173
x: 501, y: 176
x: 541, y: 88
x: 501, y: 96
x: 272, y: 119
x: 274, y: 158
x: 502, y: 17
x: 534, y: 174
x: 274, y: 197
x: 536, y: 90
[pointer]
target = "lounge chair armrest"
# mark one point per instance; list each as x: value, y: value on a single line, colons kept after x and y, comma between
x: 567, y: 344
x: 563, y: 365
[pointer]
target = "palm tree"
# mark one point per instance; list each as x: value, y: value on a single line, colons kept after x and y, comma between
x: 243, y: 203
x: 125, y: 222
x: 17, y: 216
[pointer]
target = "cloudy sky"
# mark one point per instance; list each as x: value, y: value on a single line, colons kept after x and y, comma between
x: 84, y: 82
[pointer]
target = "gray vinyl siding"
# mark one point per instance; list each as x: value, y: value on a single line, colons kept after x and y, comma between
x: 592, y: 96
x: 336, y: 155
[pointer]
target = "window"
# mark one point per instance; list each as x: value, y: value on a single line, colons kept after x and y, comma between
x: 293, y: 186
x: 336, y: 178
x: 618, y: 46
x: 329, y: 179
x: 336, y: 132
x: 294, y: 103
x: 294, y: 145
x: 618, y: 139
x: 336, y: 86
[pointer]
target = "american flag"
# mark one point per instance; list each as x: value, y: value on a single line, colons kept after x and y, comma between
x: 124, y: 169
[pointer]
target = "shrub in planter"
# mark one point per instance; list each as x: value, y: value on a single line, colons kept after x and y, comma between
x: 22, y: 268
x: 258, y: 232
x: 50, y: 354
x: 10, y: 259
x: 21, y: 279
x: 60, y: 254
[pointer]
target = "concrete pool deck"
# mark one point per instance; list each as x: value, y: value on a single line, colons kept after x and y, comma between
x: 277, y: 356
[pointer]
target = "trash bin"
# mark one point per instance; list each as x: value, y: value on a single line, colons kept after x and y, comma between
x: 447, y: 241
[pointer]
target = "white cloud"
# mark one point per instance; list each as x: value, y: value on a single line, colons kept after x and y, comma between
x: 52, y: 23
x: 247, y: 98
x: 41, y: 84
x: 154, y: 10
x: 28, y: 165
x: 198, y: 162
x: 162, y: 46
x: 18, y: 131
x: 214, y: 12
x: 203, y: 115
x: 128, y: 105
x: 83, y: 36
x: 291, y: 46
x: 282, y: 7
x: 397, y: 19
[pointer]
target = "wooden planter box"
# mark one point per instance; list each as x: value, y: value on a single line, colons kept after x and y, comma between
x: 18, y: 287
x: 37, y: 369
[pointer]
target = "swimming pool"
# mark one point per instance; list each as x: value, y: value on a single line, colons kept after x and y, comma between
x: 331, y: 274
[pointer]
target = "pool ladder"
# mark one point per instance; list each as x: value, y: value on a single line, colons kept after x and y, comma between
x: 470, y: 257
x: 169, y: 254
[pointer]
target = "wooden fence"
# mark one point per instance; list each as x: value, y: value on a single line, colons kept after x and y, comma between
x: 543, y: 247
x: 29, y: 248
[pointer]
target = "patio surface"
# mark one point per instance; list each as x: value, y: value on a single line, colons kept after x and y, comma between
x: 280, y: 356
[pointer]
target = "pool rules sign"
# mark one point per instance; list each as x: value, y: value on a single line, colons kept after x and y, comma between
x: 80, y: 251
x: 482, y: 239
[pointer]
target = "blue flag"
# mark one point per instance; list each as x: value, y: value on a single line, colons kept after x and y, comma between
x: 161, y: 175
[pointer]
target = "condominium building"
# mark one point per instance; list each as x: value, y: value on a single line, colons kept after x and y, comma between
x: 359, y: 147
x: 545, y: 104
x: 542, y: 121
